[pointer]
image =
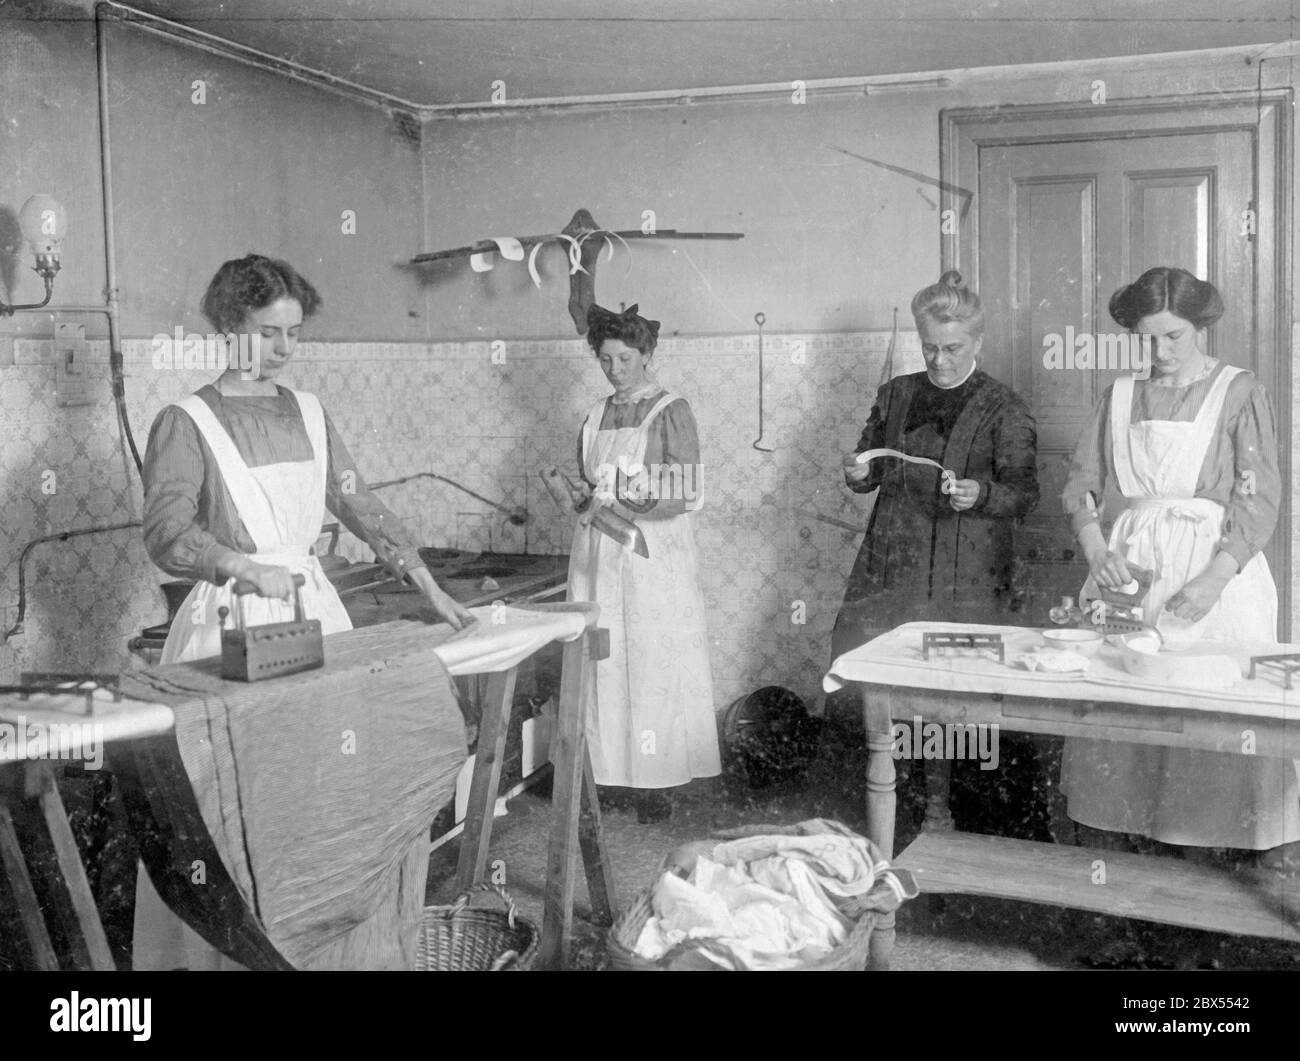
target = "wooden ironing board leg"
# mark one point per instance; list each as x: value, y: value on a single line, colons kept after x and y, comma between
x: 600, y: 873
x: 486, y: 781
x: 38, y: 826
x: 574, y: 831
x: 17, y: 893
x: 568, y: 749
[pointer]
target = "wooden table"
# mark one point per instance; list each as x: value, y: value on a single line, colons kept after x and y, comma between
x: 43, y: 882
x: 1111, y: 705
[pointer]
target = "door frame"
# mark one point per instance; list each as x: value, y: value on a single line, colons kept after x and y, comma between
x: 1265, y: 115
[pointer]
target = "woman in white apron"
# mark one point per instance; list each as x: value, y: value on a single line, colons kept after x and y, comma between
x: 238, y: 477
x: 652, y: 726
x: 1193, y: 451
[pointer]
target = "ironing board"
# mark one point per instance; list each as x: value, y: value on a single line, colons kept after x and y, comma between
x: 503, y: 638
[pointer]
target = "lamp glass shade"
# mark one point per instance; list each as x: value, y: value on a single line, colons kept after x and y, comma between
x: 44, y: 223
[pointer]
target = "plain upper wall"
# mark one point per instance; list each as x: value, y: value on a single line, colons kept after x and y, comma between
x: 266, y: 164
x: 831, y: 243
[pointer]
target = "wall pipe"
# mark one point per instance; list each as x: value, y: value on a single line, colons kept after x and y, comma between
x: 228, y: 49
x: 60, y: 536
x: 864, y: 85
x: 115, y: 362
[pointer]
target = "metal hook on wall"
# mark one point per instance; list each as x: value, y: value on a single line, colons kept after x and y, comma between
x: 760, y: 319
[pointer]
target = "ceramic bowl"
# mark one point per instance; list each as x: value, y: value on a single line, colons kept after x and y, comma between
x: 1084, y: 642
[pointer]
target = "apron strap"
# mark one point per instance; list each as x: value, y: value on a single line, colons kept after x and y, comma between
x: 313, y: 419
x: 1121, y: 412
x: 589, y: 428
x: 668, y: 398
x: 251, y: 502
x: 1208, y: 417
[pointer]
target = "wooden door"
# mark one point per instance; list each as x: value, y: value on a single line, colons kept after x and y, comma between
x: 1068, y: 208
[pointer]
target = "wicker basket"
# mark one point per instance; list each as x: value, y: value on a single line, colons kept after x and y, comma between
x: 851, y: 955
x: 461, y: 938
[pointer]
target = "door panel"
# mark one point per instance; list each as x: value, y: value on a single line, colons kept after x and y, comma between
x: 1170, y: 220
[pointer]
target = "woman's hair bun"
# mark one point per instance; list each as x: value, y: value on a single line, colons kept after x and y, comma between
x: 950, y: 300
x: 1167, y: 288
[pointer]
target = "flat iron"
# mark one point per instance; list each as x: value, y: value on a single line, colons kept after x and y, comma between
x: 1114, y: 612
x: 252, y: 653
x: 1120, y: 612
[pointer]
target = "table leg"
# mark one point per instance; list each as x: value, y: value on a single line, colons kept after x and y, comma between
x: 486, y: 783
x: 569, y: 746
x: 938, y: 784
x: 881, y: 801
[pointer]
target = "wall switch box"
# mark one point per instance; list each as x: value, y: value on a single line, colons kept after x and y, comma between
x: 71, y: 365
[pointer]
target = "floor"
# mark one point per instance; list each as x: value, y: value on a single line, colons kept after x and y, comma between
x: 951, y: 932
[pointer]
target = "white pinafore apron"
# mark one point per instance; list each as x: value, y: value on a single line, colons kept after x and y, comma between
x: 1178, y: 795
x: 282, y: 507
x: 652, y: 722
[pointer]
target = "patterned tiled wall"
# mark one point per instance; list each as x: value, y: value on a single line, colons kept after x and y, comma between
x: 488, y: 417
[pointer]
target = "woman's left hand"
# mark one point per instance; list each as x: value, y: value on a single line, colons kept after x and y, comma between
x: 451, y: 611
x: 963, y: 494
x: 1194, y: 601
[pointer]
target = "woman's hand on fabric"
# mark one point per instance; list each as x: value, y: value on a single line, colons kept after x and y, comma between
x: 1109, y: 570
x: 1194, y: 601
x: 963, y: 494
x: 451, y: 611
x: 269, y: 580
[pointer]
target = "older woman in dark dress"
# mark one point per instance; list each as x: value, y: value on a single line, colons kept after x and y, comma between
x: 939, y: 546
x: 931, y: 554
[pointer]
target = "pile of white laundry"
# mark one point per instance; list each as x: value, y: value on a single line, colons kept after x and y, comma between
x: 766, y: 902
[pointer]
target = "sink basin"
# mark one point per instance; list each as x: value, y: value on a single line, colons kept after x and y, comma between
x: 436, y: 558
x: 488, y: 571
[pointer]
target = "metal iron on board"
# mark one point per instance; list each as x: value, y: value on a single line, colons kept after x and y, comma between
x: 252, y: 653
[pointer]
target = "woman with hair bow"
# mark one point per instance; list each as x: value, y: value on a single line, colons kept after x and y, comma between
x: 652, y: 726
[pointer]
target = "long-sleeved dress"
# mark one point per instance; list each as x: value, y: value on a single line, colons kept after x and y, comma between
x: 652, y: 723
x: 191, y: 522
x: 920, y: 559
x: 1197, y: 468
x: 253, y: 475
